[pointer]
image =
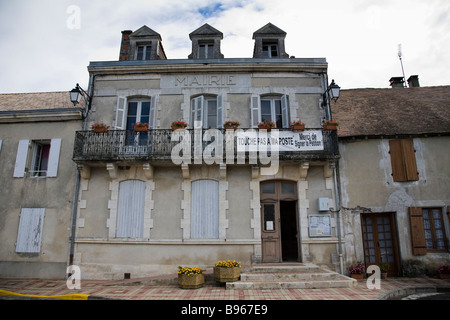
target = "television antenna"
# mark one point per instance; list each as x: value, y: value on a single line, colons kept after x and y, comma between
x: 401, y: 63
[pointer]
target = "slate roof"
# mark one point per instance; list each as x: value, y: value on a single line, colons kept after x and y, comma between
x: 37, y: 101
x: 393, y: 111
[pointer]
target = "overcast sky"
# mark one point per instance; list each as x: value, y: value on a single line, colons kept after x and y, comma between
x: 46, y: 45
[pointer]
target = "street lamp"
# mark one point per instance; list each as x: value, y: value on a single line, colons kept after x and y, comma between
x: 76, y: 94
x: 333, y: 91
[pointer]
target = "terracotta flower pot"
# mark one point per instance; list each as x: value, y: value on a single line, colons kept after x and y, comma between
x: 140, y: 129
x: 357, y: 276
x: 444, y: 275
x: 100, y: 130
x: 298, y: 127
x: 329, y: 127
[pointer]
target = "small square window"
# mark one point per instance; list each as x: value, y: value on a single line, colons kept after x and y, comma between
x: 270, y: 50
x: 206, y: 51
x: 143, y: 52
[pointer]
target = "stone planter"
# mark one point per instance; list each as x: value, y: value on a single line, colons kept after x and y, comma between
x: 193, y: 281
x: 222, y: 274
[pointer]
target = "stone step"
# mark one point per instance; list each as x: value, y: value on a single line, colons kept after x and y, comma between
x: 297, y: 276
x: 313, y: 284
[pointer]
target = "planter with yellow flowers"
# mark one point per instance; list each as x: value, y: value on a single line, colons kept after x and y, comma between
x: 227, y: 271
x: 190, y: 277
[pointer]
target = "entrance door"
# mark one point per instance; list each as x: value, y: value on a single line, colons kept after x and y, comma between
x: 380, y: 240
x: 279, y: 229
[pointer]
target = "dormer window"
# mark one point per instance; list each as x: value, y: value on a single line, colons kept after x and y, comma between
x: 270, y: 50
x: 206, y: 50
x: 143, y: 52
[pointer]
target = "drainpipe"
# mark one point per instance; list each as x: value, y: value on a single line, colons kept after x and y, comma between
x: 338, y: 213
x: 78, y: 176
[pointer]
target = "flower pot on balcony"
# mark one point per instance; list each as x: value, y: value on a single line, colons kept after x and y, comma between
x: 191, y: 281
x: 297, y: 127
x: 177, y: 128
x: 222, y: 274
x: 100, y: 129
x: 265, y: 127
x: 226, y: 127
x: 329, y: 127
x: 141, y: 129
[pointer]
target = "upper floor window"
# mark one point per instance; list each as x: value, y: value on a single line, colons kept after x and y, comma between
x: 403, y: 160
x: 208, y: 110
x: 143, y: 52
x: 273, y: 108
x: 206, y: 50
x: 130, y: 111
x: 43, y: 161
x: 270, y: 50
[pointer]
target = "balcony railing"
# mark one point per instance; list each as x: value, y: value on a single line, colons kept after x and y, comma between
x: 157, y: 144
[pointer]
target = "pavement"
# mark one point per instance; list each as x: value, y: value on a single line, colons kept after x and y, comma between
x: 166, y: 288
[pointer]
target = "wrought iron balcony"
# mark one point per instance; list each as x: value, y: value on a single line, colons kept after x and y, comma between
x: 157, y: 145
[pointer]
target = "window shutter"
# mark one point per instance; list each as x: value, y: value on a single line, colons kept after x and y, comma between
x: 398, y: 169
x: 409, y: 159
x: 220, y: 111
x: 197, y: 110
x: 130, y: 213
x: 30, y: 230
x: 417, y: 231
x: 255, y: 110
x: 205, y: 209
x: 284, y: 111
x: 121, y: 113
x: 53, y: 159
x: 21, y: 158
x: 1, y: 145
x: 152, y: 117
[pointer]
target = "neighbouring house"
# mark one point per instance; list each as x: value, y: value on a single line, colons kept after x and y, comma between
x: 39, y: 179
x: 395, y: 174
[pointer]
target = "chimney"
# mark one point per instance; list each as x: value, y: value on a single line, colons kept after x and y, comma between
x: 125, y: 45
x: 413, y: 81
x: 397, y: 82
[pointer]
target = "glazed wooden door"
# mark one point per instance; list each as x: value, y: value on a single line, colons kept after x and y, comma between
x: 380, y: 241
x: 278, y: 204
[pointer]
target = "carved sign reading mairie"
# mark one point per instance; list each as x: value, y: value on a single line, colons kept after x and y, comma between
x: 220, y: 80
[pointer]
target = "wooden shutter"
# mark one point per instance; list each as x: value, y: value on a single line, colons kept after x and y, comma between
x: 398, y: 169
x: 255, y: 110
x: 121, y: 113
x: 130, y: 213
x: 205, y: 209
x: 219, y: 111
x: 409, y: 159
x: 285, y: 112
x: 21, y: 158
x: 417, y: 231
x: 403, y: 160
x: 53, y: 158
x: 29, y: 234
x: 197, y: 110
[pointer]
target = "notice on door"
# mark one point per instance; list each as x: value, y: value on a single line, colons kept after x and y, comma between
x: 320, y: 226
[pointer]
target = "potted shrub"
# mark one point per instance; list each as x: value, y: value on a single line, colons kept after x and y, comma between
x: 356, y: 270
x: 99, y: 127
x: 330, y: 124
x: 227, y: 271
x: 190, y: 277
x: 179, y: 124
x: 231, y: 124
x: 267, y: 124
x: 297, y: 125
x: 140, y: 126
x: 443, y: 271
x: 384, y: 268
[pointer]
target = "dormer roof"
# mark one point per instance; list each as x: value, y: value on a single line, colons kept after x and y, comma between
x: 206, y: 31
x: 269, y: 30
x: 145, y: 32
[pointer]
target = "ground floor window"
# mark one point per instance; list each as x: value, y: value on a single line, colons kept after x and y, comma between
x: 205, y: 209
x: 130, y: 214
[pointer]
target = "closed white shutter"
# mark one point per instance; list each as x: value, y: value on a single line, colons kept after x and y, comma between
x: 220, y: 111
x: 284, y: 111
x: 255, y: 110
x: 30, y: 230
x: 121, y: 113
x: 130, y: 213
x: 0, y: 145
x: 205, y: 209
x: 21, y: 158
x: 53, y: 159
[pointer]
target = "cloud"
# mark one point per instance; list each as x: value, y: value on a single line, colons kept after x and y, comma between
x: 359, y: 38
